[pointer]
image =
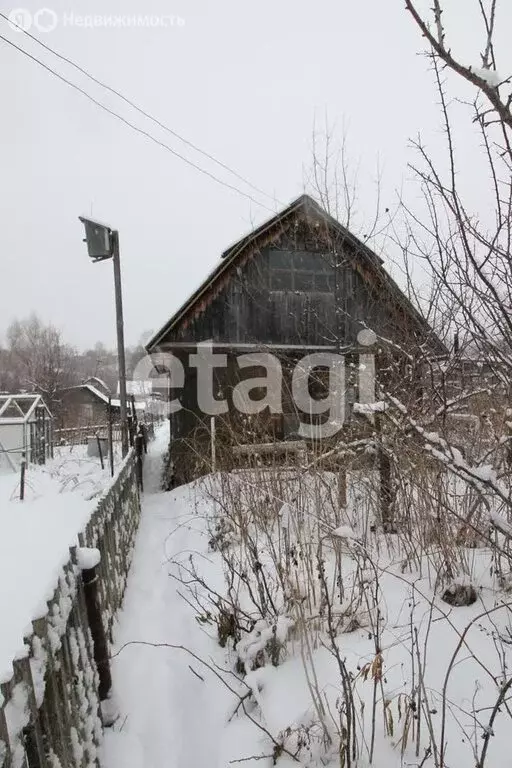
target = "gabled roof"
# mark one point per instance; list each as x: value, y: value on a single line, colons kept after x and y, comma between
x: 89, y: 387
x: 311, y: 211
x: 114, y: 402
x: 96, y: 382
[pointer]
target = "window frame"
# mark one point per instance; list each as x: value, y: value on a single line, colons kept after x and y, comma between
x: 291, y: 269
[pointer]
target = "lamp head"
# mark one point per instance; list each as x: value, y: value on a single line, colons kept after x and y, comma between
x: 98, y: 238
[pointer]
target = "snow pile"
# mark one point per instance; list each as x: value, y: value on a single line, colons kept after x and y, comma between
x: 87, y: 558
x: 35, y: 540
x: 35, y: 537
x: 34, y: 546
x: 264, y: 642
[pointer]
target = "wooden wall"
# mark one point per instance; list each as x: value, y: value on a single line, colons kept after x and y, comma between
x: 287, y: 295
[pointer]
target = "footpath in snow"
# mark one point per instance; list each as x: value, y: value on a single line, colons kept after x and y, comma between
x: 171, y: 708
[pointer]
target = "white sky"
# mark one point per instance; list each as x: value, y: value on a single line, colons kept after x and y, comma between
x: 243, y: 80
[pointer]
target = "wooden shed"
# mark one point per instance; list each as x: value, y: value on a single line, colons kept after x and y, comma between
x: 300, y: 283
x: 82, y: 405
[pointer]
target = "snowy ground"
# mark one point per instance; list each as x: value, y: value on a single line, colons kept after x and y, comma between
x: 424, y: 676
x: 168, y: 716
x: 35, y: 536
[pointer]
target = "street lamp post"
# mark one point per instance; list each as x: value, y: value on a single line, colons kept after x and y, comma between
x: 103, y: 243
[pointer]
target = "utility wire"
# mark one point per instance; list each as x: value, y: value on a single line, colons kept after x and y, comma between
x: 142, y: 132
x: 138, y: 109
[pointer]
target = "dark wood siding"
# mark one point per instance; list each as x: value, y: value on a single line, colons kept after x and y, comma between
x: 273, y: 300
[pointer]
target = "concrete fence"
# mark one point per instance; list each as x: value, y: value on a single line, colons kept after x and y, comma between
x: 52, y: 711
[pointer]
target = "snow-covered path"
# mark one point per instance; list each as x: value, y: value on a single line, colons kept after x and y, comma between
x: 168, y: 716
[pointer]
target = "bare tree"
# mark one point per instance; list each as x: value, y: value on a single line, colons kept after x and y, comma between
x: 39, y: 358
x: 466, y: 251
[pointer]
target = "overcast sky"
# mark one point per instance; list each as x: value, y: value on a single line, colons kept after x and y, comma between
x: 243, y: 80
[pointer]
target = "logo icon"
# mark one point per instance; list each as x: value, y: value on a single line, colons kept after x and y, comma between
x: 20, y: 19
x: 46, y: 20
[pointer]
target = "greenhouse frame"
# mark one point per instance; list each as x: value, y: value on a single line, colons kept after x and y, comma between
x: 26, y: 430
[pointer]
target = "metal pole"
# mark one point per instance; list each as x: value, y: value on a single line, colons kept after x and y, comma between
x: 110, y: 437
x: 120, y: 341
x: 212, y: 444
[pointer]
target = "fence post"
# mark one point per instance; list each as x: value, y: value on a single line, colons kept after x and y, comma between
x: 385, y: 489
x: 144, y: 432
x: 130, y: 430
x: 98, y: 442
x: 22, y: 476
x: 110, y: 437
x: 134, y: 412
x: 101, y: 655
x: 139, y: 448
x: 33, y: 737
x: 212, y: 444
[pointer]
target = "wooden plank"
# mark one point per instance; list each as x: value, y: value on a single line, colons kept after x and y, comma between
x: 38, y: 756
x: 5, y: 760
x: 294, y: 446
x: 50, y: 711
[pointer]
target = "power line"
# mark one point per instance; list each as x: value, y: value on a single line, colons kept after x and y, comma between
x: 134, y: 127
x: 137, y: 108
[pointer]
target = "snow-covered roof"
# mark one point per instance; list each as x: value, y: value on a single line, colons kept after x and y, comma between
x: 20, y: 408
x: 100, y: 382
x: 96, y: 392
x: 114, y: 402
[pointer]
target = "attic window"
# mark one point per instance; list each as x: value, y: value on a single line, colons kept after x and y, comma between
x: 301, y: 271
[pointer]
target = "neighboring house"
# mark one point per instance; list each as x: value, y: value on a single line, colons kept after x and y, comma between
x: 85, y: 405
x: 82, y: 406
x: 460, y: 374
x: 144, y: 397
x: 26, y: 429
x: 298, y: 284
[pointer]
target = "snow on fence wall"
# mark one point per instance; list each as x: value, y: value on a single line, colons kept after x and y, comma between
x: 50, y: 711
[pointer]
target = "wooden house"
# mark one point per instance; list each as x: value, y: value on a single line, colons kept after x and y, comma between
x: 86, y: 405
x: 83, y: 405
x: 300, y: 283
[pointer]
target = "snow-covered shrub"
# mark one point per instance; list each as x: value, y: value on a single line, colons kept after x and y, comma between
x: 459, y: 594
x: 265, y: 644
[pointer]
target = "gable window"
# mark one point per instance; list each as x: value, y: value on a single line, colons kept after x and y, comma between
x: 87, y: 411
x: 301, y: 271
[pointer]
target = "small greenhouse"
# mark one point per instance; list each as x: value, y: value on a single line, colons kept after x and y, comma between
x: 25, y: 429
